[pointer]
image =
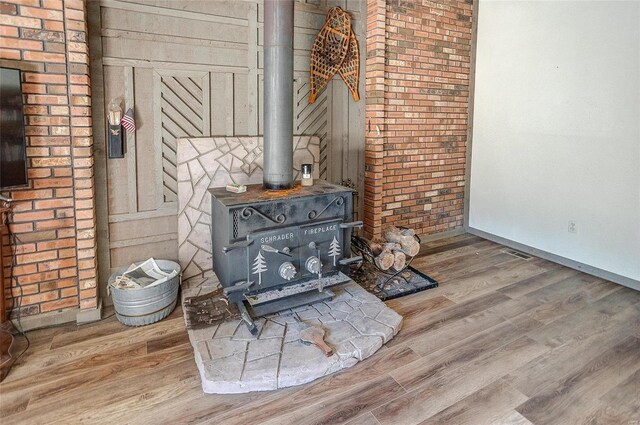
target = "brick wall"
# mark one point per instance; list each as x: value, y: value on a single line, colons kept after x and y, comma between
x: 417, y: 93
x: 54, y: 218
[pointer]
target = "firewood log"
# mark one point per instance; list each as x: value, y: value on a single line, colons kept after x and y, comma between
x: 385, y: 260
x: 375, y: 246
x: 392, y: 246
x: 387, y: 257
x: 409, y: 244
x: 400, y: 260
x: 408, y: 232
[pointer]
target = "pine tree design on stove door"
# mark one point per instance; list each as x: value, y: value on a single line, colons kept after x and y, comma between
x: 334, y: 250
x: 259, y: 267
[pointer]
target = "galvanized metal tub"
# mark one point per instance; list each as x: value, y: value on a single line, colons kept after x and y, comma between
x: 139, y: 307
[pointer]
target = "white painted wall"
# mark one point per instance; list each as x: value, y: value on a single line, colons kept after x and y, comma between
x: 556, y: 130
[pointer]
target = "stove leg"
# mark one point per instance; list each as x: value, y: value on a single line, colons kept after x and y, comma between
x: 244, y: 313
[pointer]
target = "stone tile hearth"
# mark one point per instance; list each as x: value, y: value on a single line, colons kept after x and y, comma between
x: 231, y: 360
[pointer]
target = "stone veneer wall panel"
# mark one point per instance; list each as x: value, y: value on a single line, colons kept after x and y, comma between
x: 54, y: 217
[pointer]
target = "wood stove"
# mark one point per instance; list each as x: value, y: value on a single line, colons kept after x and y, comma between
x: 279, y: 245
x: 274, y: 250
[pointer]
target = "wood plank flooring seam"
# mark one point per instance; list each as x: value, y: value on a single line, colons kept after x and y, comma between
x: 463, y: 412
x: 557, y: 401
x: 427, y: 399
x: 401, y: 386
x: 365, y: 419
x: 475, y: 353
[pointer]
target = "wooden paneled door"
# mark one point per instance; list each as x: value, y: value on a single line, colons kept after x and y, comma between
x: 195, y: 68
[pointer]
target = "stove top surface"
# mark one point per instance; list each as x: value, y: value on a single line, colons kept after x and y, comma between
x: 257, y: 193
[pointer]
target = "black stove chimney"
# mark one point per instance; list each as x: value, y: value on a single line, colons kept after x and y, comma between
x: 278, y: 94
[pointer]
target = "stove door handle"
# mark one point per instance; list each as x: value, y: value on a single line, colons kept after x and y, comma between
x: 241, y: 244
x: 352, y: 260
x: 238, y: 286
x: 350, y: 225
x: 269, y: 248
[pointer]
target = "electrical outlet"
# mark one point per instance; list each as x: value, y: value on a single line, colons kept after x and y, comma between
x: 573, y: 227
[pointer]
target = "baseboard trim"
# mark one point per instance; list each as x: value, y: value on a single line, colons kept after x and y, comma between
x: 45, y: 320
x: 595, y: 271
x: 89, y: 315
x: 55, y: 318
x: 430, y: 237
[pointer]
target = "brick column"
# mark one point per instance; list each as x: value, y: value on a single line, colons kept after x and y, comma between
x: 82, y: 149
x: 54, y: 220
x: 417, y: 82
x: 374, y: 115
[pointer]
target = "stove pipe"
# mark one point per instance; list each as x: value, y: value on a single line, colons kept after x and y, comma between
x: 278, y: 94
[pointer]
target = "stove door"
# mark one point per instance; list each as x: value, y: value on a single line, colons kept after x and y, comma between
x: 273, y: 257
x: 323, y: 241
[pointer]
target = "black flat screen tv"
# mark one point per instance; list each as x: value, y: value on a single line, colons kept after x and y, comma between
x: 13, y: 160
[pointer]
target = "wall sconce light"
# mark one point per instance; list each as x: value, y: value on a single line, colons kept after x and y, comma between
x: 115, y: 138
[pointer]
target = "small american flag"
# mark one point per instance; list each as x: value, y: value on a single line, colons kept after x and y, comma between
x: 128, y: 122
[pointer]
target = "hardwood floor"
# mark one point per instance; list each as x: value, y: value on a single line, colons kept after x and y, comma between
x: 503, y: 340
